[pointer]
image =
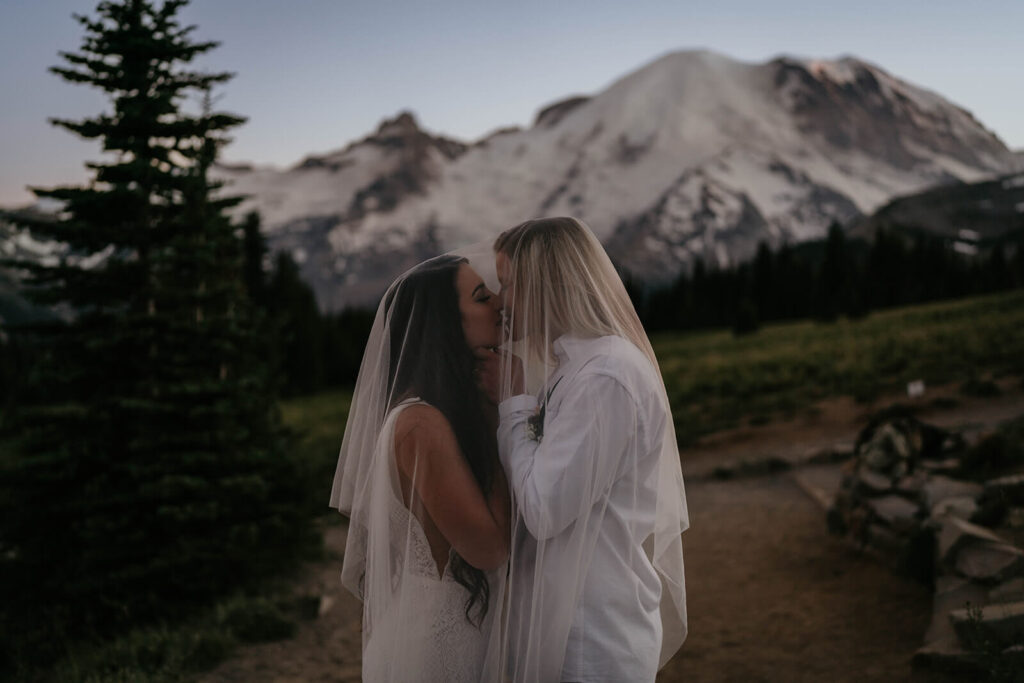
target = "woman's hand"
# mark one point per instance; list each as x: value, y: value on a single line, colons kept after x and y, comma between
x: 490, y: 364
x: 487, y: 370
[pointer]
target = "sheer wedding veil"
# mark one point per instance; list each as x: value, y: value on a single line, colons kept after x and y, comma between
x: 600, y: 506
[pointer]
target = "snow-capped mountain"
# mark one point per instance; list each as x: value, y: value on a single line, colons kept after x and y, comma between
x: 693, y: 155
x: 323, y: 210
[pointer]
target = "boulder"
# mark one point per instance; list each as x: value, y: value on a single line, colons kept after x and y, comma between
x: 963, y: 507
x: 888, y: 450
x: 944, y: 466
x: 870, y: 483
x: 912, y: 484
x: 839, y: 452
x: 939, y: 488
x: 957, y: 533
x: 951, y: 593
x: 896, y: 511
x: 1009, y: 591
x: 948, y: 657
x: 973, y: 437
x: 1010, y: 489
x: 992, y: 510
x: 990, y: 561
x: 1002, y: 623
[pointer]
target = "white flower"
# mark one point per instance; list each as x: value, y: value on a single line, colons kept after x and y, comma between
x: 535, y: 427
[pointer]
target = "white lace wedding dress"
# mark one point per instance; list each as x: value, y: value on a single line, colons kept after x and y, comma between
x: 419, y: 631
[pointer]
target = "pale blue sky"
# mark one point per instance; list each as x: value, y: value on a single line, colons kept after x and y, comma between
x: 316, y: 74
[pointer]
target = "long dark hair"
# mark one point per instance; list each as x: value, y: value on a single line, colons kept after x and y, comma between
x: 423, y: 309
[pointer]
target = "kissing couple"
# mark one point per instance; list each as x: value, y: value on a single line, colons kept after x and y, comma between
x: 510, y: 472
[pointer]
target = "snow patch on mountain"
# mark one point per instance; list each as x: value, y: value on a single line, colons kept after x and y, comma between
x: 694, y: 155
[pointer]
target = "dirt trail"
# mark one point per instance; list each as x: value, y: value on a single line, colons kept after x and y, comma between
x: 771, y: 597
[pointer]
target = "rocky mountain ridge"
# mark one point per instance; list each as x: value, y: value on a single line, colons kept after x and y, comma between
x: 694, y: 155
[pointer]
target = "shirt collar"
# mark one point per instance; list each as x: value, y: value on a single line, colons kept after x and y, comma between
x: 568, y: 346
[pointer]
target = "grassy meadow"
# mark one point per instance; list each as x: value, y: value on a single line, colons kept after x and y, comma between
x: 317, y: 424
x: 716, y: 380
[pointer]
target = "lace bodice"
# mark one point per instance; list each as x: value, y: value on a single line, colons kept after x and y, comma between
x: 423, y: 633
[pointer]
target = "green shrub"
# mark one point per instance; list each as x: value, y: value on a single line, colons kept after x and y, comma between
x: 999, y: 452
x: 157, y: 654
x: 256, y: 620
x: 716, y: 380
x: 982, y: 388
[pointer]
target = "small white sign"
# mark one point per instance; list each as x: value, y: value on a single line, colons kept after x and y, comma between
x: 965, y: 248
x: 915, y: 388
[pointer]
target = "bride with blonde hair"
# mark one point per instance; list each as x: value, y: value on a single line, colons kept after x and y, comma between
x: 596, y: 584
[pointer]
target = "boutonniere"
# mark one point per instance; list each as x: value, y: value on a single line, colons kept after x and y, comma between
x: 535, y: 424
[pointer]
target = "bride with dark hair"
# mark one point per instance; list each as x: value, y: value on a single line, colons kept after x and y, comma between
x: 419, y: 476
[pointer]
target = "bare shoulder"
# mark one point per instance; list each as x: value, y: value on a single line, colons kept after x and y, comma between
x: 421, y: 416
x: 422, y: 426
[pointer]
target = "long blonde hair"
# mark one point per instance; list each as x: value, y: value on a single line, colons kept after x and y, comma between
x: 564, y: 283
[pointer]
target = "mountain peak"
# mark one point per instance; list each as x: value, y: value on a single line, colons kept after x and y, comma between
x: 693, y: 155
x: 553, y: 113
x: 696, y: 54
x: 688, y: 61
x: 403, y: 123
x: 404, y: 131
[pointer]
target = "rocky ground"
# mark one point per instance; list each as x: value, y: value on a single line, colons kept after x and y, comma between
x: 771, y: 596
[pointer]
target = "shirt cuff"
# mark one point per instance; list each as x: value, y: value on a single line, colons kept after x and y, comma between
x: 516, y: 404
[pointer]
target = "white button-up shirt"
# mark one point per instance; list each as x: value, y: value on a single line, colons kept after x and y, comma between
x: 593, y: 472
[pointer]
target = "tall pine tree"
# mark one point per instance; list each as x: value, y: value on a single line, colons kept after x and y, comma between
x: 149, y: 473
